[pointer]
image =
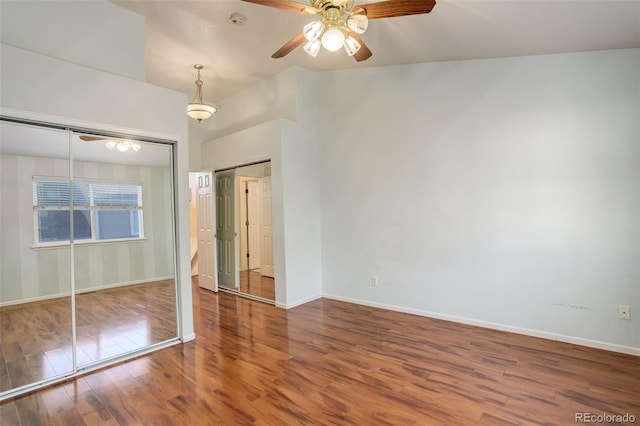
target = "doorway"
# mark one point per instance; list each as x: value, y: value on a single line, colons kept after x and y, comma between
x: 243, y: 233
x: 255, y: 249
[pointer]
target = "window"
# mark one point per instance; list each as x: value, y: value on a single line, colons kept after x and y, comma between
x: 102, y: 211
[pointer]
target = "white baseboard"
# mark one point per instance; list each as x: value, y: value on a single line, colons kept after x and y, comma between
x: 629, y: 350
x: 34, y: 299
x: 188, y: 338
x: 81, y: 291
x: 298, y: 302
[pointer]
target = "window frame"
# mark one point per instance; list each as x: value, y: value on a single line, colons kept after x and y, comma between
x: 91, y: 208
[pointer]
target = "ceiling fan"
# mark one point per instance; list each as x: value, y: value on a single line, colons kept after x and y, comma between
x: 341, y: 23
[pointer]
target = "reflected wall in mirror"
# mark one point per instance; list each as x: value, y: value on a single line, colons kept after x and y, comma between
x: 124, y: 260
x: 35, y: 273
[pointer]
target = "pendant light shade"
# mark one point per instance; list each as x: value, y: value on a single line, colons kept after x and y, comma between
x: 197, y: 109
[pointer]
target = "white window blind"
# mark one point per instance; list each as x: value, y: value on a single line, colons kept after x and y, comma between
x: 101, y: 210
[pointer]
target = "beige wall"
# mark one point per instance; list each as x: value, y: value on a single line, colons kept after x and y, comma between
x: 27, y: 273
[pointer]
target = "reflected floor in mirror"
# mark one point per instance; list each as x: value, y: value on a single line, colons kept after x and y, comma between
x: 253, y: 283
x: 36, y: 337
x: 331, y: 362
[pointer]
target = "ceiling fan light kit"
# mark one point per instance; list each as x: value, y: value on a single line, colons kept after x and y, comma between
x: 198, y: 109
x: 333, y: 30
x: 341, y: 23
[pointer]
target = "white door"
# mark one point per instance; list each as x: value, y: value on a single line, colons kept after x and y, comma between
x: 253, y: 208
x: 266, y: 225
x: 225, y: 228
x: 206, y: 232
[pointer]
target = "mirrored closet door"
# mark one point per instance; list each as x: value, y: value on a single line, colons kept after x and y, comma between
x: 87, y: 249
x: 244, y: 231
x: 36, y: 335
x: 123, y: 247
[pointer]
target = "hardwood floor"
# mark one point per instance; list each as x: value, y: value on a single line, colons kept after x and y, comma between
x: 251, y: 282
x: 329, y: 362
x: 35, y: 340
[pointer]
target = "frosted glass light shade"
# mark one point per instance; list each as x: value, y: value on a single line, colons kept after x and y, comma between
x: 200, y: 111
x: 358, y: 23
x: 313, y: 30
x: 351, y: 45
x: 333, y: 39
x: 312, y: 47
x: 110, y: 145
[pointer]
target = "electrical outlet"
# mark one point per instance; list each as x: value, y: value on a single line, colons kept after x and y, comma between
x: 623, y: 312
x: 374, y: 281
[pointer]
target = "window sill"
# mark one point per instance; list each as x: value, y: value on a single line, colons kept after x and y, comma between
x: 62, y: 244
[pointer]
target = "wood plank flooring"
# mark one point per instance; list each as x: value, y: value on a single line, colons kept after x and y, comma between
x: 251, y: 282
x: 329, y: 362
x: 35, y: 338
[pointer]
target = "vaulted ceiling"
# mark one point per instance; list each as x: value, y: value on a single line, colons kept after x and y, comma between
x: 182, y: 33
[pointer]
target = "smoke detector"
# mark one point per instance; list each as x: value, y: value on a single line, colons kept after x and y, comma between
x: 237, y: 18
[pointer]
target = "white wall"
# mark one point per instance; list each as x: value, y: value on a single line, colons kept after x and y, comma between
x: 292, y: 147
x: 97, y: 34
x: 268, y: 100
x: 75, y: 95
x: 502, y: 192
x: 257, y: 143
x: 301, y: 190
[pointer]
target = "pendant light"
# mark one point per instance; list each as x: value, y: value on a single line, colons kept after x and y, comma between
x: 197, y: 109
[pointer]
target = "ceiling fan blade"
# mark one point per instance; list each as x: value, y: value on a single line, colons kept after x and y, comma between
x: 289, y: 5
x: 91, y: 138
x: 289, y: 46
x: 393, y: 8
x: 363, y: 53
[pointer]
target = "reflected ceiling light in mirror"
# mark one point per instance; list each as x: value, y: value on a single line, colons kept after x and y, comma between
x: 122, y: 145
